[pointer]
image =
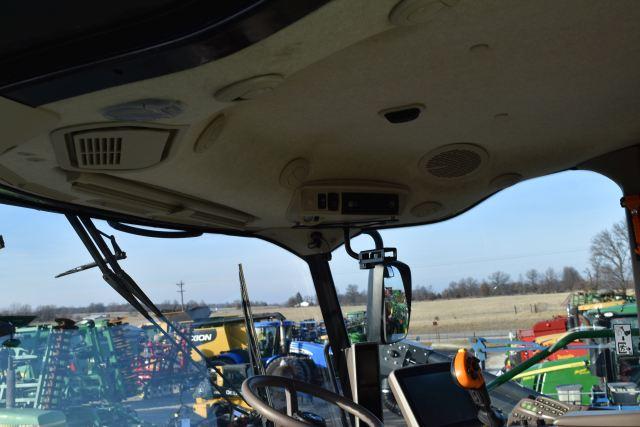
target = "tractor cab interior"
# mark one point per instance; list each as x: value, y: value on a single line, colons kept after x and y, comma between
x: 305, y: 125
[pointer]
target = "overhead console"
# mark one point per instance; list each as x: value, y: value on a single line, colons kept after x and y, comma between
x: 338, y: 202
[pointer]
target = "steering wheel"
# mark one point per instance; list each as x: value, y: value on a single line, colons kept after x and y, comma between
x: 291, y: 388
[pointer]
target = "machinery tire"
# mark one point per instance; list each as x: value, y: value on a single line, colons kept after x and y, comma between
x: 299, y: 368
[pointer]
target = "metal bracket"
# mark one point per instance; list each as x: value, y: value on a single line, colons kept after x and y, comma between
x: 369, y: 259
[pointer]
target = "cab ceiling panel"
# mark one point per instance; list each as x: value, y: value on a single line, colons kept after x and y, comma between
x: 365, y: 113
x: 79, y: 47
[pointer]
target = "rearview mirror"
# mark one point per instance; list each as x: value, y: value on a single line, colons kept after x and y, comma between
x: 395, y: 318
x: 389, y: 304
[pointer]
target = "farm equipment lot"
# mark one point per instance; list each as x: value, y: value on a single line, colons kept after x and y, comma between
x: 455, y: 315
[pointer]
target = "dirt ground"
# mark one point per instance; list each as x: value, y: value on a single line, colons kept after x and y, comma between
x: 460, y: 316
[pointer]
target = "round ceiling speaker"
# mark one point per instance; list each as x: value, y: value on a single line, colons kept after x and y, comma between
x: 410, y: 12
x: 295, y: 173
x: 210, y: 134
x: 251, y: 88
x: 426, y: 209
x: 454, y: 161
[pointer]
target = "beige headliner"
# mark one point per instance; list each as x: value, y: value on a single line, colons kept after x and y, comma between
x: 567, y: 73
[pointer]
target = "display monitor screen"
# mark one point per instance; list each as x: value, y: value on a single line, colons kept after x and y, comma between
x: 433, y: 397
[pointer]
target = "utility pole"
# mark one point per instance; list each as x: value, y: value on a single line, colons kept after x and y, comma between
x: 181, y: 292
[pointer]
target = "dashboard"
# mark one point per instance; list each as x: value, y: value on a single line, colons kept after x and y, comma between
x: 428, y: 396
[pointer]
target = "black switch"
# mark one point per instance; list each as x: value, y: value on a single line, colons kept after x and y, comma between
x: 322, y: 201
x: 333, y: 201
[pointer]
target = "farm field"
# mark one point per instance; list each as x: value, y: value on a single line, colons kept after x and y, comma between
x: 456, y: 316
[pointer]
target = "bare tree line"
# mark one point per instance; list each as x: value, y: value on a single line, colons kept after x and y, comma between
x: 609, y: 268
x: 49, y: 311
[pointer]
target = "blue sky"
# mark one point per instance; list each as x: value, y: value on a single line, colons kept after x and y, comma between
x: 541, y: 223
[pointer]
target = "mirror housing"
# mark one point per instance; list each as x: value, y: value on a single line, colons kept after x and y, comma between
x: 389, y: 302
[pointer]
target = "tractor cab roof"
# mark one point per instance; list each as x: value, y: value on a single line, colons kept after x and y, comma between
x: 351, y: 114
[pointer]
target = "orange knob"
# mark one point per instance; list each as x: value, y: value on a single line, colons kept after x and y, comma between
x: 465, y: 368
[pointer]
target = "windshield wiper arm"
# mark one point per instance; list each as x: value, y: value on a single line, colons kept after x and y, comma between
x: 119, y: 254
x: 128, y: 289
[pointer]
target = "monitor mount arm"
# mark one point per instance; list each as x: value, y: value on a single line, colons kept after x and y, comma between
x: 368, y: 259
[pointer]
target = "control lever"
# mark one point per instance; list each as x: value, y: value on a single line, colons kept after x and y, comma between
x: 466, y: 372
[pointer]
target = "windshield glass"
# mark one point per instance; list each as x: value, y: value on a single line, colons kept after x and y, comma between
x: 75, y: 353
x: 476, y: 286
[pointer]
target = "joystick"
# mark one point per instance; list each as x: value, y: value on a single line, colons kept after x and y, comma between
x: 467, y: 374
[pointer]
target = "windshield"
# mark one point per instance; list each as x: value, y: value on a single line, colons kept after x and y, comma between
x: 543, y: 319
x: 74, y: 352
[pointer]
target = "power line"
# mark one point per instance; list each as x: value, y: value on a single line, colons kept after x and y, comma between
x: 504, y: 258
x: 181, y: 292
x: 415, y: 266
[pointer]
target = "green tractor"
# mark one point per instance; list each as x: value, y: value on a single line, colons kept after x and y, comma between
x: 357, y: 326
x: 568, y: 380
x: 604, y: 376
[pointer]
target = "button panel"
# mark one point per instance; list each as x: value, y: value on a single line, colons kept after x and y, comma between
x: 538, y: 411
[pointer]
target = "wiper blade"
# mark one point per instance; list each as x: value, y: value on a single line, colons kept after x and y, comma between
x: 84, y: 267
x: 127, y: 288
x: 118, y: 254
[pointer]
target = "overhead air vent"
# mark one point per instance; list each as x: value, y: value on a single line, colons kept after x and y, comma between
x: 96, y: 151
x: 112, y: 146
x: 454, y: 161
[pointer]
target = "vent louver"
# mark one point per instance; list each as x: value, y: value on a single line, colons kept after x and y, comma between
x: 116, y: 146
x: 98, y: 151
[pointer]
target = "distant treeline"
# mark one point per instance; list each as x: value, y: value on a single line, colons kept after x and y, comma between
x: 610, y: 268
x: 50, y: 312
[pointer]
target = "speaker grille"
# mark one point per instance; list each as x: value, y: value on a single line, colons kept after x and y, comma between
x: 453, y: 161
